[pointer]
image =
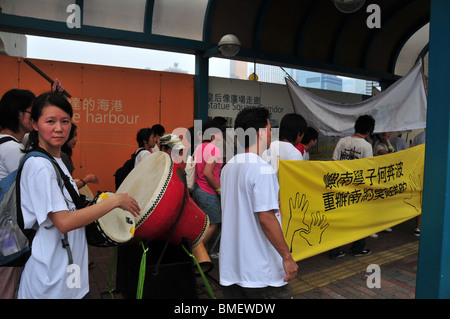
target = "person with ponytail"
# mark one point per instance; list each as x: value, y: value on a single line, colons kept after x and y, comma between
x: 47, y: 273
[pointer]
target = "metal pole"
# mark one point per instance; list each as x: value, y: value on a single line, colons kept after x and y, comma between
x: 433, y: 273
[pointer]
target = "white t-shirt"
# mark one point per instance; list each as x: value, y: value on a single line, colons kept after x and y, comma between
x: 349, y: 148
x: 285, y: 150
x: 247, y: 258
x: 46, y: 274
x: 10, y: 155
x: 142, y: 154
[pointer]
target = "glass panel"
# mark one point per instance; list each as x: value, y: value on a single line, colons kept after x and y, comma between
x: 227, y: 68
x: 54, y: 10
x: 109, y: 55
x: 179, y: 18
x: 115, y: 14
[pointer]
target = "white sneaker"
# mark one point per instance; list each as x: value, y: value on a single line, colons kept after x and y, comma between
x: 389, y: 230
x: 374, y: 235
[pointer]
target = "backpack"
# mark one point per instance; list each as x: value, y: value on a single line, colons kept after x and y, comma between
x: 127, y: 167
x: 15, y: 240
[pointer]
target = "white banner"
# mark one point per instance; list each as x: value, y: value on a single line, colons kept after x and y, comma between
x: 403, y: 106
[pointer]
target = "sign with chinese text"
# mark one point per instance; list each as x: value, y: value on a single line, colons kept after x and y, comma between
x: 328, y: 204
x: 110, y: 105
x: 226, y: 97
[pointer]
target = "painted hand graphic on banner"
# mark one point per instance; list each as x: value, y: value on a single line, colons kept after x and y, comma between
x: 296, y: 207
x: 416, y: 189
x: 313, y: 233
x: 315, y: 223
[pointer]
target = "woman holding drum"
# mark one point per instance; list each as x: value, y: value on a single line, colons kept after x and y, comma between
x: 43, y: 201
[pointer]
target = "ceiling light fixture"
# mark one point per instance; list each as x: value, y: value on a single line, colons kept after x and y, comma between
x: 229, y: 45
x: 349, y: 6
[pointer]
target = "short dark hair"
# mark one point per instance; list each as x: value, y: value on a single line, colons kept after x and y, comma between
x: 250, y: 118
x: 291, y: 126
x: 47, y: 99
x: 365, y: 124
x: 12, y: 103
x: 211, y: 127
x: 158, y: 129
x: 310, y: 134
x: 143, y: 135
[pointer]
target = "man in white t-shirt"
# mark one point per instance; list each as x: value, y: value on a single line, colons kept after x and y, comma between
x: 254, y: 260
x: 146, y: 139
x: 349, y: 148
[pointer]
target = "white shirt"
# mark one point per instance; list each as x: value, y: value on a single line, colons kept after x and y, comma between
x: 283, y: 150
x: 349, y: 148
x: 46, y: 272
x: 10, y: 155
x: 142, y: 154
x: 247, y: 258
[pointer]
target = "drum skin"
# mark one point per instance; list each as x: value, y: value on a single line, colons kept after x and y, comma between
x: 157, y: 184
x: 115, y: 228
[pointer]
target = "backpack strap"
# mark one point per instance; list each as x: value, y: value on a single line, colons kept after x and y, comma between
x: 7, y: 139
x: 135, y: 154
x: 66, y: 179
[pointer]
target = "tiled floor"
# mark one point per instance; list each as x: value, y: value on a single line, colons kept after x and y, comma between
x: 319, y: 277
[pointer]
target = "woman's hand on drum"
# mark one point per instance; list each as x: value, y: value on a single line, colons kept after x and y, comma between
x: 128, y: 203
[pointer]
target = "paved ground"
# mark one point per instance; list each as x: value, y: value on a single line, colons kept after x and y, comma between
x: 319, y: 277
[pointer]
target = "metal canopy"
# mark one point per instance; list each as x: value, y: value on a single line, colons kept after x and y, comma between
x: 306, y: 34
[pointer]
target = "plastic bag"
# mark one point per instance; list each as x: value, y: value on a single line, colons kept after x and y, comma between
x: 12, y: 239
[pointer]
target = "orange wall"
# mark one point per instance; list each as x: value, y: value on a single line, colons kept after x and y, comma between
x: 110, y: 105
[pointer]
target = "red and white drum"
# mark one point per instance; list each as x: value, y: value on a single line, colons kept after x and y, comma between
x: 157, y: 184
x: 115, y: 228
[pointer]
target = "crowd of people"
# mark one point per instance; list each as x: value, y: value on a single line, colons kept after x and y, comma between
x: 242, y: 204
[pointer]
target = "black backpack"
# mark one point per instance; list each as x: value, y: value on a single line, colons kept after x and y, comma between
x: 126, y: 168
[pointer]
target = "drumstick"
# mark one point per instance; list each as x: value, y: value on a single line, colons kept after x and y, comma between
x: 45, y: 76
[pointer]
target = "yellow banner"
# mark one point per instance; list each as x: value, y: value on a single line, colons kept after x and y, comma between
x: 327, y: 204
